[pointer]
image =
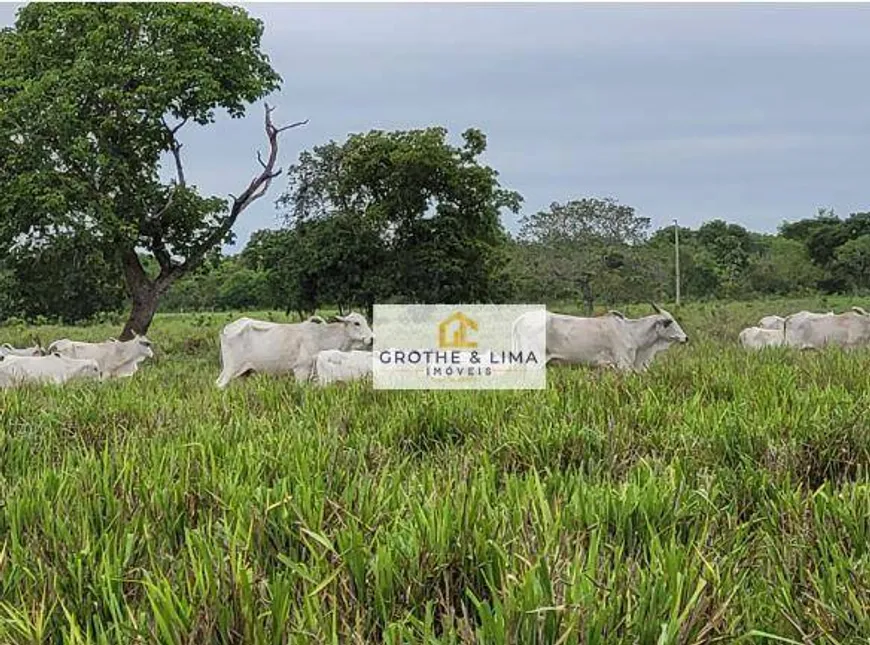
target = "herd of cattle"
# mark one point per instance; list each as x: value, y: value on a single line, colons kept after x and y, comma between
x: 808, y: 330
x: 341, y: 349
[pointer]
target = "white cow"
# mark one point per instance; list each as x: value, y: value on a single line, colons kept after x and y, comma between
x: 116, y: 358
x: 807, y: 330
x: 8, y: 350
x: 771, y: 322
x: 54, y: 368
x: 335, y: 365
x: 760, y: 337
x: 778, y: 322
x: 610, y: 340
x: 249, y: 345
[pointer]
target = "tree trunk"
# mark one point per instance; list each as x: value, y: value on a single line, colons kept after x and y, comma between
x: 588, y: 300
x: 144, y: 306
x: 145, y: 293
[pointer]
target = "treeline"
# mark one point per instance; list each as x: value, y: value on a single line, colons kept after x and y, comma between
x: 302, y: 268
x: 408, y: 217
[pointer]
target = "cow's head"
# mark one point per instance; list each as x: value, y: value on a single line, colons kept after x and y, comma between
x: 667, y: 328
x: 89, y: 369
x: 357, y: 329
x: 143, y: 346
x: 36, y: 350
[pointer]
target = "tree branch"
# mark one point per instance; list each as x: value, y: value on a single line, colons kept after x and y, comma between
x: 256, y: 189
x: 137, y: 279
x: 179, y: 168
x: 166, y: 206
x: 175, y: 145
x: 162, y: 256
x: 178, y: 127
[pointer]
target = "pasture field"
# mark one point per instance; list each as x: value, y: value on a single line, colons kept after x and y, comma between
x: 723, y: 496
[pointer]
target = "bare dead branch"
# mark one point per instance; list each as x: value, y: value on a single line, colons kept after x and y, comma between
x: 258, y: 187
x: 292, y: 125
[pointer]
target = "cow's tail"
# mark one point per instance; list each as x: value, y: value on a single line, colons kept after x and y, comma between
x: 516, y: 341
x: 519, y: 340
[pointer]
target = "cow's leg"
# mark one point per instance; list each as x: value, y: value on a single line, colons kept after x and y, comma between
x: 624, y: 364
x: 229, y: 372
x: 303, y: 370
x: 223, y: 380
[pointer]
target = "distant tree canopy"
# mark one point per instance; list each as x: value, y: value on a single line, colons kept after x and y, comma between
x: 582, y: 249
x: 334, y: 261
x: 92, y: 96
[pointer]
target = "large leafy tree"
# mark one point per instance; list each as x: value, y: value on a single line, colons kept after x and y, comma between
x: 401, y: 214
x: 92, y: 97
x: 583, y: 246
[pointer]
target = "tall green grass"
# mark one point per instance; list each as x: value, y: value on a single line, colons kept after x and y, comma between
x: 720, y: 497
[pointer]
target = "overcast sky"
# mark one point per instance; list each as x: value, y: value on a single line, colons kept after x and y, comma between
x: 751, y: 113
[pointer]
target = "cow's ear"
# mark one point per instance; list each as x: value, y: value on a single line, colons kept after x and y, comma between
x: 618, y: 314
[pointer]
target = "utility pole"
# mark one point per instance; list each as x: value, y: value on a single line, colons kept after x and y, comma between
x: 677, y: 258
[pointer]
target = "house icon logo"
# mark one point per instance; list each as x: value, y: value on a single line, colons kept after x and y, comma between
x: 453, y: 331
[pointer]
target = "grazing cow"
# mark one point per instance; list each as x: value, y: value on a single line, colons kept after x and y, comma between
x: 610, y: 340
x: 8, y: 350
x: 54, y: 368
x: 807, y: 330
x: 249, y: 345
x: 771, y: 322
x: 116, y: 358
x: 760, y: 337
x: 335, y: 365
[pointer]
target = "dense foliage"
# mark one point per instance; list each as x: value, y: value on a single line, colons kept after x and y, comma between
x: 92, y: 100
x: 331, y: 261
